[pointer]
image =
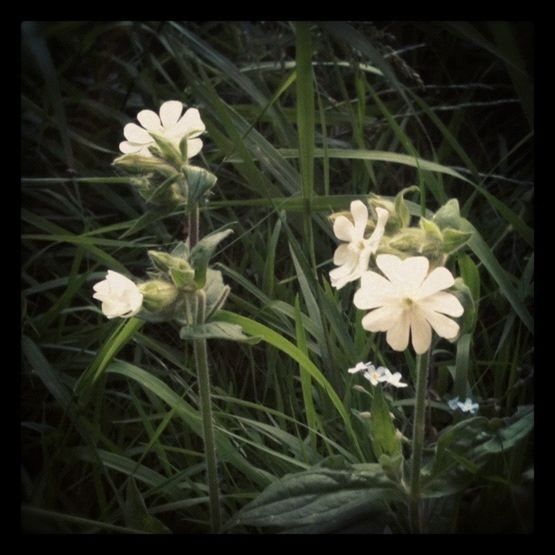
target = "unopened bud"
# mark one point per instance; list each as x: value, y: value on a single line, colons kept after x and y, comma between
x: 158, y: 295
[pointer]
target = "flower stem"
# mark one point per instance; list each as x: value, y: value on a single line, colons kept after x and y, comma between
x: 203, y: 374
x: 422, y: 363
x: 194, y: 225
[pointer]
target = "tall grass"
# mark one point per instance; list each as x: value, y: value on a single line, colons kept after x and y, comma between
x: 301, y: 119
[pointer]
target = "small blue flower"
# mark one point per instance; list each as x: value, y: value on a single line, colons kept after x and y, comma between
x: 468, y: 406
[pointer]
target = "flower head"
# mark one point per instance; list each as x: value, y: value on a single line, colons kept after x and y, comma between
x: 408, y: 299
x: 119, y: 295
x: 352, y: 257
x: 468, y: 406
x: 453, y: 403
x: 169, y: 123
x: 375, y: 375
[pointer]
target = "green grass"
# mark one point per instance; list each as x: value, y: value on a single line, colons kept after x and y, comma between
x: 301, y: 119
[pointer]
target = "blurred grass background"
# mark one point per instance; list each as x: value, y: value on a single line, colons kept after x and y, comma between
x: 301, y: 119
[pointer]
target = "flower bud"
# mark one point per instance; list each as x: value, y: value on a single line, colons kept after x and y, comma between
x: 158, y: 295
x: 135, y: 162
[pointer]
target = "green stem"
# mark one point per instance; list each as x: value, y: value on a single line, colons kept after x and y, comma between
x: 203, y: 374
x: 418, y: 440
x: 194, y: 225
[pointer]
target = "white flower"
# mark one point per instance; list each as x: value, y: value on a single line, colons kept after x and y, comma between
x: 169, y: 124
x: 352, y: 258
x: 119, y: 295
x: 409, y: 299
x: 393, y: 379
x: 360, y: 367
x: 375, y: 376
x: 453, y: 403
x: 468, y: 406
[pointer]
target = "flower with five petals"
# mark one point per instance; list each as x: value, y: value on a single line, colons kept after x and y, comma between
x: 408, y: 299
x: 170, y: 124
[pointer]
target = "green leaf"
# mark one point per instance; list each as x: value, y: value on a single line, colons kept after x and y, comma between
x: 166, y: 149
x: 454, y: 239
x: 273, y: 338
x: 431, y: 228
x: 199, y: 182
x: 385, y: 441
x: 474, y: 440
x: 216, y: 330
x: 401, y: 208
x: 449, y: 215
x: 202, y: 251
x: 321, y: 499
x: 227, y: 451
x: 121, y: 336
x: 136, y: 514
x: 466, y: 298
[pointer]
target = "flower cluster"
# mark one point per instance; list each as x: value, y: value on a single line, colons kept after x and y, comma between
x: 408, y: 298
x: 160, y: 149
x: 378, y: 375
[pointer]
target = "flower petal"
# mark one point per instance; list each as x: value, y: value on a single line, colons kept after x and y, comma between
x: 443, y: 326
x: 194, y: 146
x: 345, y: 274
x: 342, y: 254
x: 113, y: 308
x: 190, y: 125
x: 382, y: 318
x: 374, y: 291
x: 129, y: 148
x: 398, y: 336
x: 135, y: 134
x: 360, y: 216
x: 360, y: 366
x: 413, y: 271
x: 170, y: 112
x: 149, y: 120
x: 439, y: 279
x: 343, y: 229
x: 118, y: 281
x: 446, y: 303
x: 390, y: 265
x: 377, y: 234
x: 421, y: 333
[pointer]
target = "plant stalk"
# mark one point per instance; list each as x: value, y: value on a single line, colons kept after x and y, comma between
x: 194, y: 225
x: 422, y: 364
x: 203, y: 375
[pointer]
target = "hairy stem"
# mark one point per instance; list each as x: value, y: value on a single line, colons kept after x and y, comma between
x: 194, y: 225
x: 203, y: 375
x: 422, y: 363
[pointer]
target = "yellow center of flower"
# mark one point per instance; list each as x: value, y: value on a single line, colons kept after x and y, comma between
x: 408, y: 303
x: 359, y: 245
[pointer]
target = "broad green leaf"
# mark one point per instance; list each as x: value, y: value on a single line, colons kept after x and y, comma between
x: 328, y: 499
x: 469, y: 444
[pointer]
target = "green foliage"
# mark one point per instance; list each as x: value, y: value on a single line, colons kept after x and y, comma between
x: 322, y: 500
x: 301, y: 119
